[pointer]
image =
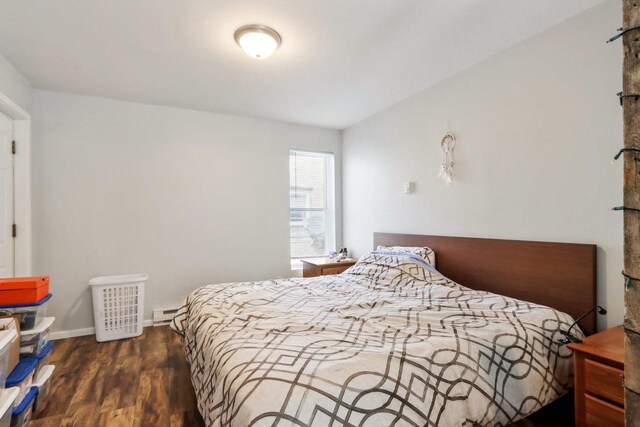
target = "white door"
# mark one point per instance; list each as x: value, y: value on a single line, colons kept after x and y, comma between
x: 6, y: 197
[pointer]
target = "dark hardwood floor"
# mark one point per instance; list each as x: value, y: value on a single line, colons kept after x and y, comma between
x: 145, y: 381
x: 142, y: 381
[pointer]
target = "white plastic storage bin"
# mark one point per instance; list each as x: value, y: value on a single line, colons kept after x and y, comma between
x: 118, y: 306
x: 22, y: 377
x: 33, y: 342
x: 22, y: 412
x: 7, y: 397
x: 42, y: 381
x: 30, y: 314
x: 6, y: 338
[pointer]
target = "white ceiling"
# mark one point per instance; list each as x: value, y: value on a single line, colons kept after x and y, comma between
x: 340, y: 61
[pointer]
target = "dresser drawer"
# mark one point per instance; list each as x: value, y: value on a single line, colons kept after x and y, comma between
x: 334, y: 270
x: 604, y: 381
x: 602, y: 414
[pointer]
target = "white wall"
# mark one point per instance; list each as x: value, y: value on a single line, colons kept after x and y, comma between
x: 537, y: 126
x: 188, y: 197
x: 14, y: 85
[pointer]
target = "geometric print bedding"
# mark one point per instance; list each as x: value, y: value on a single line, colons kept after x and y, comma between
x: 389, y: 342
x: 426, y: 254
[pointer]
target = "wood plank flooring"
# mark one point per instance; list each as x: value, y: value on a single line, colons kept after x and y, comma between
x: 145, y: 381
x: 142, y: 381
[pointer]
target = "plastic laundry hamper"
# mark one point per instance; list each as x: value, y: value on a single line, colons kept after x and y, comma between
x: 118, y: 306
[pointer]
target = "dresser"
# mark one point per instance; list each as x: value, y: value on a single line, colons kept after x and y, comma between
x: 323, y: 266
x: 599, y: 374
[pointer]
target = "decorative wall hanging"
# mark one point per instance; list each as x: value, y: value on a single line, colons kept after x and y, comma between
x: 447, y: 144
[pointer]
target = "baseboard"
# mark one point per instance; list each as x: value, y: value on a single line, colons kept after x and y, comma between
x: 58, y: 335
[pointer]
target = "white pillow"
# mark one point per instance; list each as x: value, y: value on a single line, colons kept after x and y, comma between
x: 425, y: 253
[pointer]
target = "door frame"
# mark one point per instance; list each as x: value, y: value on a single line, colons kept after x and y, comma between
x: 21, y: 183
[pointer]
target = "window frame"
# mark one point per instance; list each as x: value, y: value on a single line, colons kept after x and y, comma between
x: 329, y: 208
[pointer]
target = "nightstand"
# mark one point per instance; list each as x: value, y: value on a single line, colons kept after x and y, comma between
x: 312, y: 267
x: 599, y: 369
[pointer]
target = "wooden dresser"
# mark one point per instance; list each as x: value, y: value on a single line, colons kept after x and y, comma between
x: 312, y: 267
x: 599, y: 369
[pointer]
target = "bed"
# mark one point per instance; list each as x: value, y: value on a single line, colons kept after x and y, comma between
x: 391, y: 341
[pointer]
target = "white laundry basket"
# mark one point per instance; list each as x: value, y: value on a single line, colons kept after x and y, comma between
x: 118, y: 306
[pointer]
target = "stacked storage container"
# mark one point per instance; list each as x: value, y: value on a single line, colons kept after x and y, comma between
x: 27, y: 299
x: 6, y: 338
x: 33, y: 341
x: 29, y: 314
x: 7, y: 395
x: 22, y: 378
x: 42, y: 382
x: 43, y: 358
x: 21, y: 414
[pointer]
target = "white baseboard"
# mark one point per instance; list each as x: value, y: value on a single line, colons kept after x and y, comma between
x: 58, y: 335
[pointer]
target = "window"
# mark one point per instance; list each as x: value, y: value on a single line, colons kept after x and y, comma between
x: 311, y: 205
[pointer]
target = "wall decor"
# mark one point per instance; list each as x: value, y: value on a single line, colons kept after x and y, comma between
x: 447, y: 144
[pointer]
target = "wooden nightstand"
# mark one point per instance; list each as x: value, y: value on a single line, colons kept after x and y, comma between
x: 312, y: 267
x: 599, y: 369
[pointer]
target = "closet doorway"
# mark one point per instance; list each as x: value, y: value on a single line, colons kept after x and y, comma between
x: 7, y: 249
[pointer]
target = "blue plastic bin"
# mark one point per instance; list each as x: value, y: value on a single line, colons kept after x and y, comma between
x: 43, y: 357
x: 22, y: 413
x: 22, y: 377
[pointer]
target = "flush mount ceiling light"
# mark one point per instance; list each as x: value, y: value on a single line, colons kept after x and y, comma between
x: 257, y: 41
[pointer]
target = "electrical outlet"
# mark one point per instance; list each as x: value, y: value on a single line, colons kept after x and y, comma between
x: 409, y: 187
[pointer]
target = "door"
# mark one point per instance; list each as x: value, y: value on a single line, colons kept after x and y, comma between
x: 6, y: 197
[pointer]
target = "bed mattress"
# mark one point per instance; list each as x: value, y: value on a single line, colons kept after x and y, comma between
x: 389, y: 342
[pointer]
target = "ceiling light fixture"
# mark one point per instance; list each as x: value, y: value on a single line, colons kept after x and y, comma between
x: 257, y: 41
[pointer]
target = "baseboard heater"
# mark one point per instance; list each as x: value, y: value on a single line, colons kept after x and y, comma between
x: 163, y: 316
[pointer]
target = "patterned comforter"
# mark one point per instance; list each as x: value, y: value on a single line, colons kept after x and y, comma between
x: 389, y: 342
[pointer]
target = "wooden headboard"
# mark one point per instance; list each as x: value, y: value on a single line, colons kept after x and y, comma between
x: 558, y: 275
